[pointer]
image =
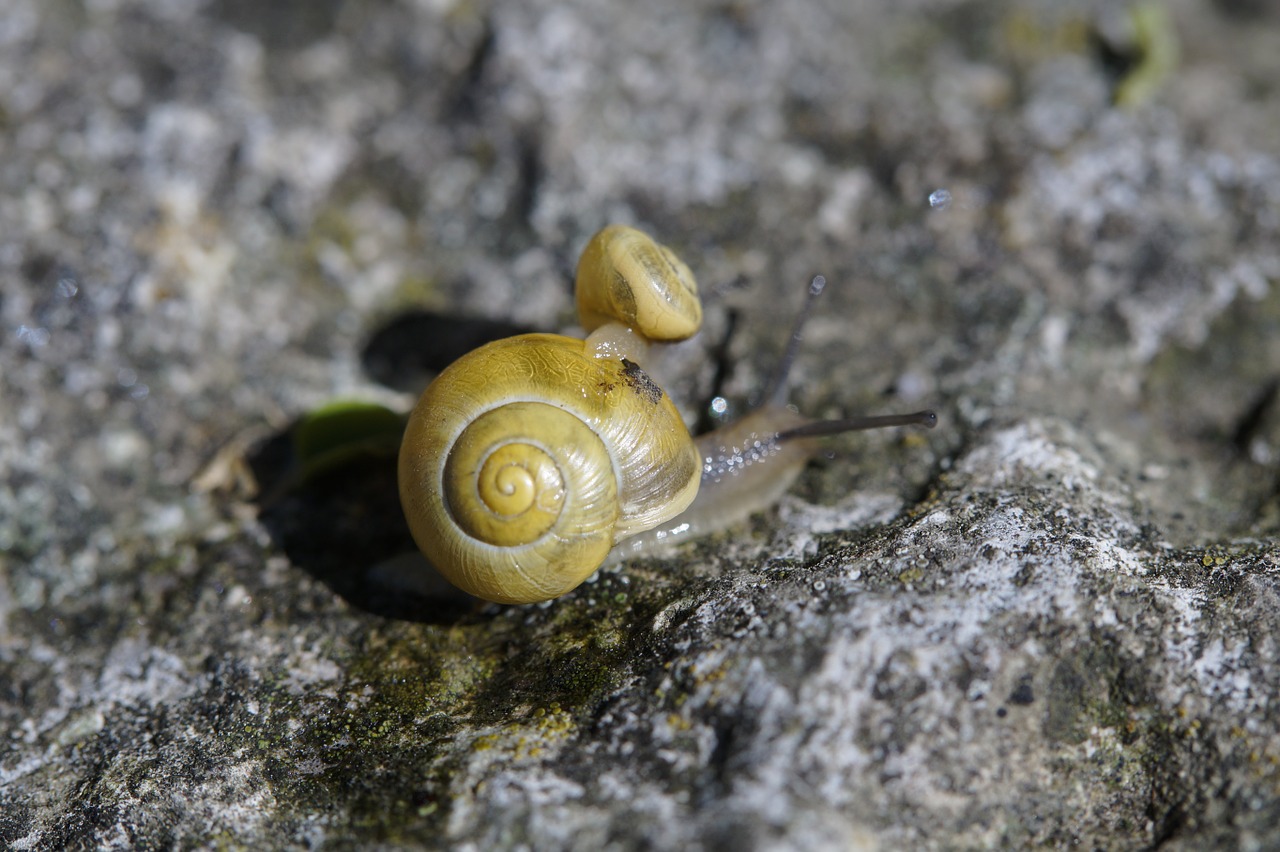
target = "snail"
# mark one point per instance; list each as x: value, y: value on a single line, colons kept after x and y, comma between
x: 526, y: 462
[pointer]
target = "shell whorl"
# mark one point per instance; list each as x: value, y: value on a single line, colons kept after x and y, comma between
x: 504, y: 489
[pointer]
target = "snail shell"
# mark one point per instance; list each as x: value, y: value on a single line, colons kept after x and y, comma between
x: 528, y: 459
x: 625, y: 276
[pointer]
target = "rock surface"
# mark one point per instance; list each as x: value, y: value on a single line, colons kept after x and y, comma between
x: 1051, y: 621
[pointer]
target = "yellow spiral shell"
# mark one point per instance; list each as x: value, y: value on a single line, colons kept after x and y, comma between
x: 625, y: 276
x: 525, y: 462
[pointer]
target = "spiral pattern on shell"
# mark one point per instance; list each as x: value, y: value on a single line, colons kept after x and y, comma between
x: 503, y: 489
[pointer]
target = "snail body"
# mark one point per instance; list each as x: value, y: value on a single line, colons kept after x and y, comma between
x: 746, y: 468
x: 529, y: 459
x: 749, y: 464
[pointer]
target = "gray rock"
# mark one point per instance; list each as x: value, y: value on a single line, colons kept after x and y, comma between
x: 1051, y: 621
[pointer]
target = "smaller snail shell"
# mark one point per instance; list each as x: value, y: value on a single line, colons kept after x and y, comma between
x: 625, y: 276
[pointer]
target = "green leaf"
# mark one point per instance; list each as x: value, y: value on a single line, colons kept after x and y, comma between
x: 342, y: 432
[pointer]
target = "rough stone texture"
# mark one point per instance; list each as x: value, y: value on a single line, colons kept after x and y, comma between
x: 1051, y: 621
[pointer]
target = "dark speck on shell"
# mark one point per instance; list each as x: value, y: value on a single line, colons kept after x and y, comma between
x: 638, y: 380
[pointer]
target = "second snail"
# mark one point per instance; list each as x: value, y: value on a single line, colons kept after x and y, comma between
x: 526, y: 461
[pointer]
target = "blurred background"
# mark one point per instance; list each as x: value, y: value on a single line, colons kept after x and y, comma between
x: 1057, y: 223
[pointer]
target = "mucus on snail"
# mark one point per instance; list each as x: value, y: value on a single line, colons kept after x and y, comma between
x: 528, y: 460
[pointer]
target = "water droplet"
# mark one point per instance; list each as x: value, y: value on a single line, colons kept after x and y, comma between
x: 33, y: 336
x: 719, y: 405
x: 940, y: 199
